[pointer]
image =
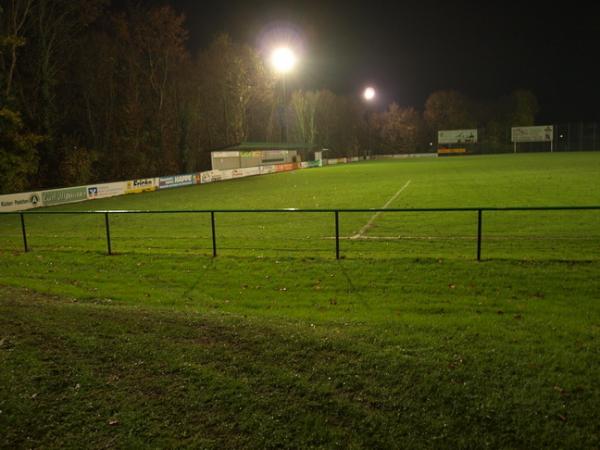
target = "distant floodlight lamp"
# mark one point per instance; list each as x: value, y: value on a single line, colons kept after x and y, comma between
x: 369, y: 93
x: 283, y: 59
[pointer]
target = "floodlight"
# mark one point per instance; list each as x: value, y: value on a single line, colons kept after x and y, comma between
x: 283, y: 59
x: 369, y: 93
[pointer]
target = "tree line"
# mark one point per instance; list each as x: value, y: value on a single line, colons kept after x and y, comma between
x: 92, y: 93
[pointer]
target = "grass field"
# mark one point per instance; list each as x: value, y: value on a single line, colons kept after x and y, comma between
x: 497, y: 181
x: 406, y: 343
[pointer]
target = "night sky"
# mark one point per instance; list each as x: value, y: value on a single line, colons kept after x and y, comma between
x: 410, y: 49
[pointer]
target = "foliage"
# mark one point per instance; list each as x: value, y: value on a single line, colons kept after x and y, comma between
x: 398, y: 129
x: 448, y: 110
x: 77, y: 164
x: 122, y: 83
x: 523, y: 108
x: 234, y: 90
x: 18, y: 153
x: 304, y: 105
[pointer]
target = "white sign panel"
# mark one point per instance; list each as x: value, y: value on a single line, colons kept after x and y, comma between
x: 542, y: 133
x: 105, y: 190
x: 18, y: 202
x: 209, y: 176
x: 267, y: 169
x: 457, y: 136
x: 225, y: 154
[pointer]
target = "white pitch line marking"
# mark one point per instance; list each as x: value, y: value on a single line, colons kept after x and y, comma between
x: 377, y: 214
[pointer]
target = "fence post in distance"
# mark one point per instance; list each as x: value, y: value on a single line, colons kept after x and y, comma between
x: 479, y: 220
x: 24, y: 233
x: 214, y: 237
x: 337, y: 234
x: 107, y: 223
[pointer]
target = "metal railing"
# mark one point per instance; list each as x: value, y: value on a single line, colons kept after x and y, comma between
x: 336, y: 213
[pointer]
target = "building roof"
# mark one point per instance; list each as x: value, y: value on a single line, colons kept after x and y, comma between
x: 266, y: 146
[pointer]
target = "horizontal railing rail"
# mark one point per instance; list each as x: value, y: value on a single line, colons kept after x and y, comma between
x: 335, y: 211
x: 308, y: 210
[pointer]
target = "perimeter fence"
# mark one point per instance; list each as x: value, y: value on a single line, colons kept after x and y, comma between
x: 416, y: 232
x: 567, y: 137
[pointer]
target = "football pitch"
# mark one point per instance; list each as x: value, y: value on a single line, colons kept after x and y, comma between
x: 522, y: 180
x: 406, y: 342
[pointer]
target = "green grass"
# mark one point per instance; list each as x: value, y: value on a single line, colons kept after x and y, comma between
x: 405, y: 343
x: 501, y: 180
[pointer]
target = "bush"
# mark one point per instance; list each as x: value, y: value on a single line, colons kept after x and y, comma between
x: 18, y: 153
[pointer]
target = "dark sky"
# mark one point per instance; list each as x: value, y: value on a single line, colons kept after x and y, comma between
x: 410, y: 49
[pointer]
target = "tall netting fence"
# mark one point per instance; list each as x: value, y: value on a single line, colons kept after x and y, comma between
x: 566, y: 137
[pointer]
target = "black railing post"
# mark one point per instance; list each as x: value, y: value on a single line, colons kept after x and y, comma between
x: 214, y: 235
x: 479, y: 220
x: 107, y: 223
x: 24, y: 233
x: 337, y: 234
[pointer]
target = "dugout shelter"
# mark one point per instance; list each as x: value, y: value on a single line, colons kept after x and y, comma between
x: 256, y: 154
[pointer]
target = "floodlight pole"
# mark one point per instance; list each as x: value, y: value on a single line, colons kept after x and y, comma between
x: 368, y: 96
x: 283, y: 60
x: 368, y: 134
x: 284, y: 109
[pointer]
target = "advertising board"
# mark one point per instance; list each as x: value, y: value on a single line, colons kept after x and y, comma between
x: 332, y: 161
x: 542, y: 133
x: 267, y: 169
x: 20, y: 201
x: 457, y: 136
x: 237, y: 173
x: 140, y: 185
x: 67, y: 195
x: 175, y: 181
x: 105, y: 190
x: 225, y: 154
x: 406, y: 155
x: 251, y: 171
x: 252, y: 154
x: 285, y: 167
x: 209, y: 176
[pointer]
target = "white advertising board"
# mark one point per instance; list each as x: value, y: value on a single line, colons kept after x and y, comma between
x: 209, y: 176
x: 225, y: 154
x: 406, y: 155
x: 65, y: 195
x: 457, y: 136
x: 267, y: 169
x: 105, y: 190
x: 251, y: 171
x: 542, y: 133
x: 20, y: 201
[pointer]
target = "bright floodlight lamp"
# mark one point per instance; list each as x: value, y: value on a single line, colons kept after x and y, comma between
x: 283, y: 59
x: 369, y: 93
